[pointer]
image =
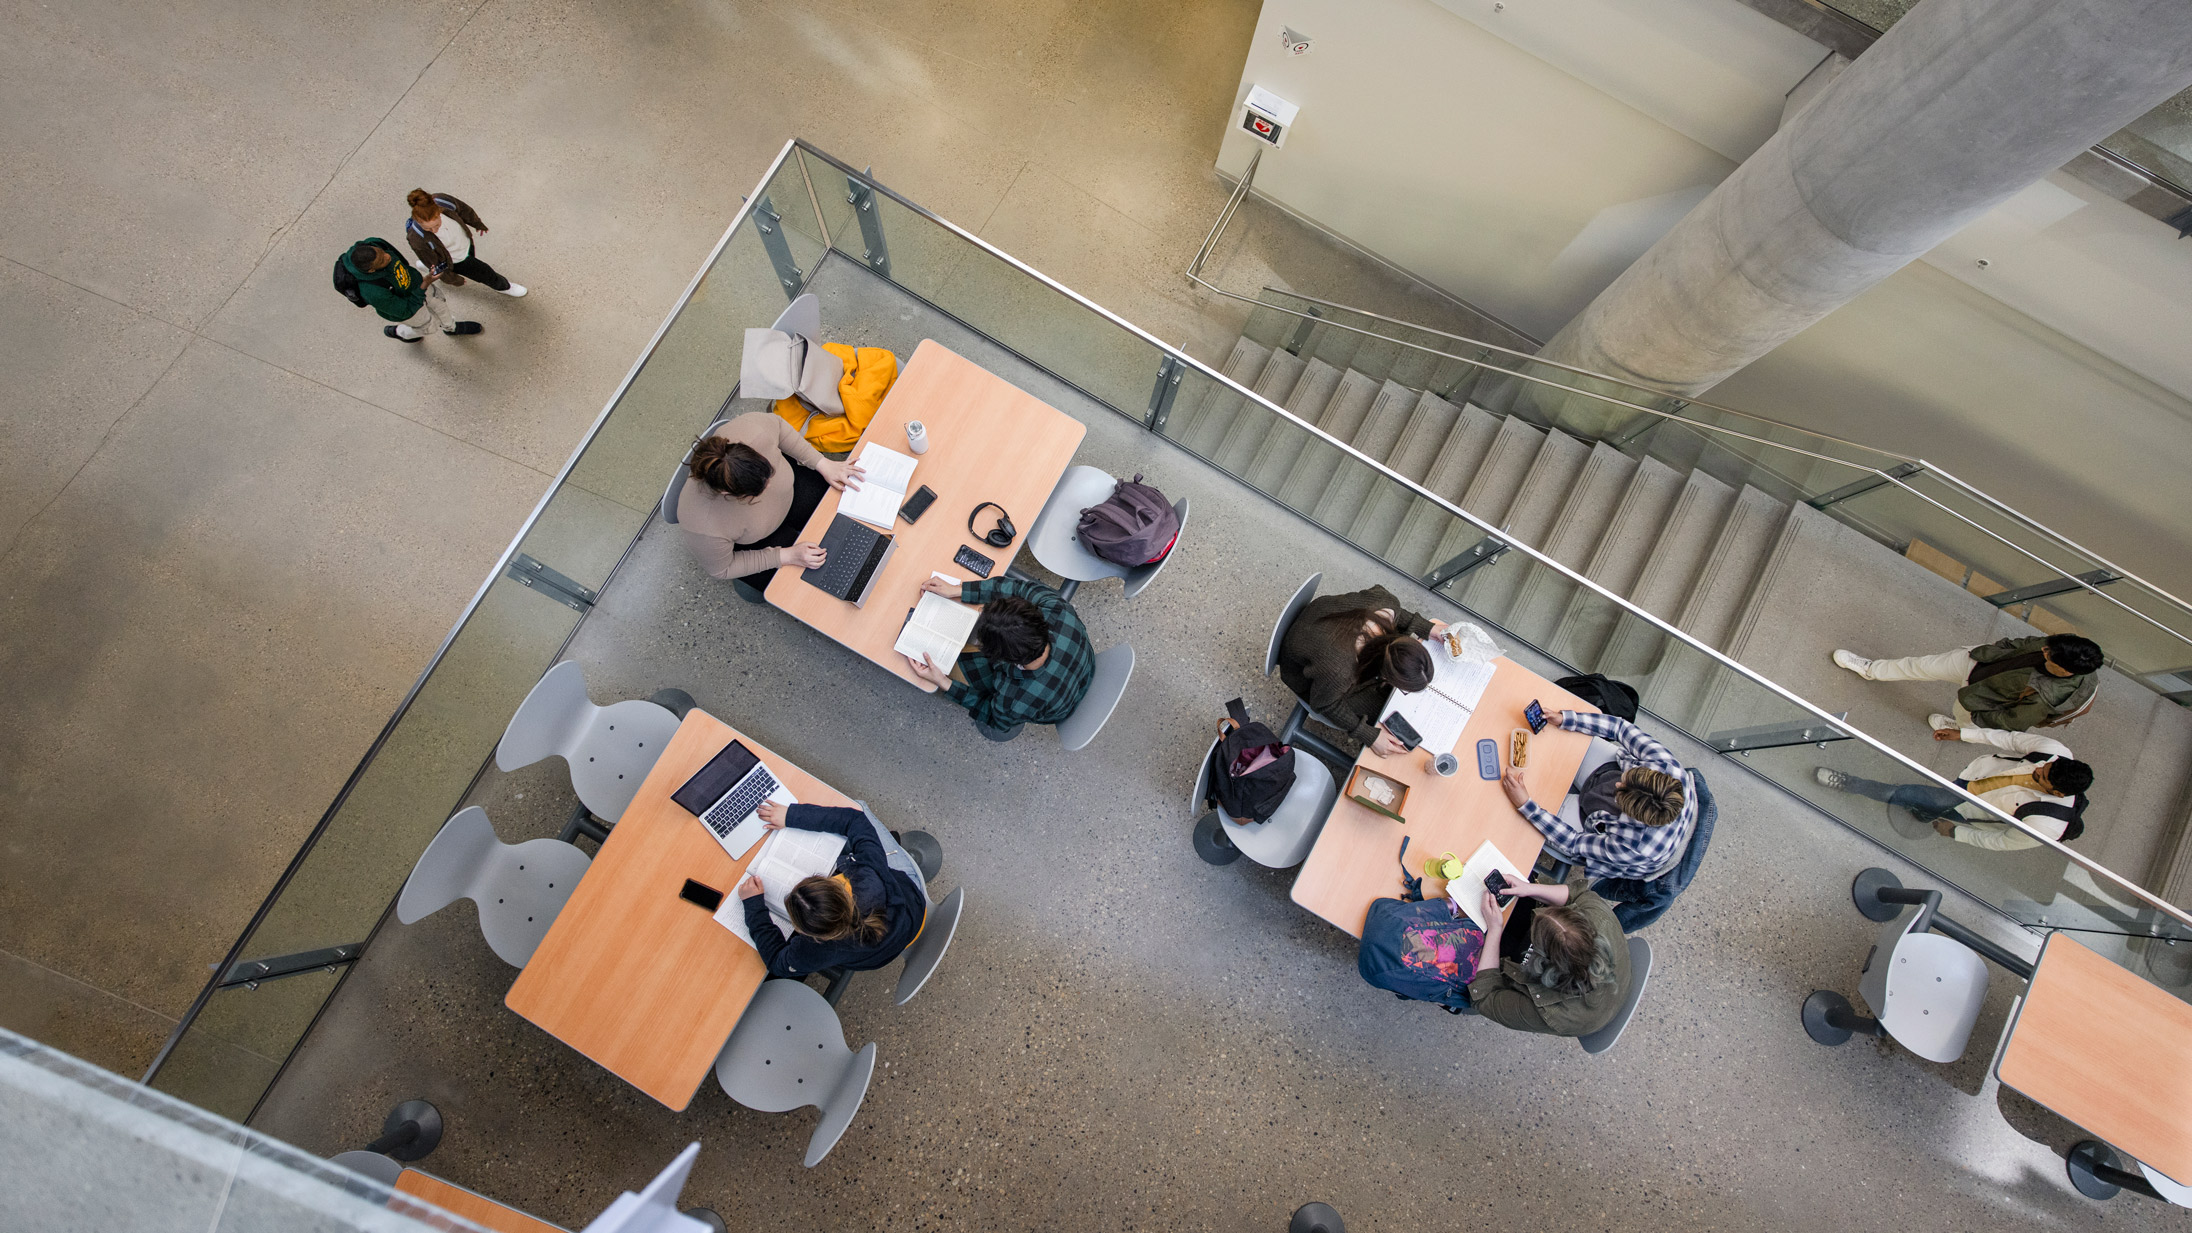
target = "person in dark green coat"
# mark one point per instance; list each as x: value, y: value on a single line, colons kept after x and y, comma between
x: 2014, y: 685
x: 1563, y: 971
x: 396, y: 290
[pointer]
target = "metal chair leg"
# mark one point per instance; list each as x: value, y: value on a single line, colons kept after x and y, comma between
x: 926, y: 851
x: 676, y: 701
x: 583, y: 822
x: 840, y: 980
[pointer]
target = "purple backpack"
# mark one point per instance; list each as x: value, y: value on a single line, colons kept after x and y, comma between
x: 1135, y: 525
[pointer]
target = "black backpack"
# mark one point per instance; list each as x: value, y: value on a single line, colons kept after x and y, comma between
x: 1253, y: 795
x: 347, y: 284
x: 1615, y: 698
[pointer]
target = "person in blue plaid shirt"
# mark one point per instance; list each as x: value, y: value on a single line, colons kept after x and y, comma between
x: 1034, y: 663
x: 1632, y: 817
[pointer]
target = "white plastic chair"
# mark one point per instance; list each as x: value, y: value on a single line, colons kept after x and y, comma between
x: 609, y: 749
x: 1283, y: 840
x: 1055, y: 541
x: 928, y: 950
x: 1926, y: 989
x: 1139, y: 577
x: 1640, y: 973
x: 789, y: 1051
x: 518, y: 888
x: 1113, y: 669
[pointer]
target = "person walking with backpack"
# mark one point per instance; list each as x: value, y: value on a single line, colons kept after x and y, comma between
x: 441, y: 230
x: 2013, y: 685
x: 2032, y: 778
x: 381, y: 279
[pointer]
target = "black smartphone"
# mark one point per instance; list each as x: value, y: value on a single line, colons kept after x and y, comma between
x: 1534, y: 715
x: 917, y: 504
x: 1403, y: 731
x: 1496, y: 882
x: 974, y: 561
x: 707, y: 898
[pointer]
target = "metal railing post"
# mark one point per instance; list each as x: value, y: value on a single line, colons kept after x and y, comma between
x: 861, y: 198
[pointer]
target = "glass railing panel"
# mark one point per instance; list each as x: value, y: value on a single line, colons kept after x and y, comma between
x: 993, y: 295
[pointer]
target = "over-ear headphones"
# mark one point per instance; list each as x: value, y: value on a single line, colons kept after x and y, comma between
x: 999, y: 536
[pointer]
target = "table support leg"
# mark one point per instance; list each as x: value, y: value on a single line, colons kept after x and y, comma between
x: 2098, y: 1174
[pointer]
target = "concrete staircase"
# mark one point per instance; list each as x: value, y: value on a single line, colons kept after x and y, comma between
x: 1731, y: 556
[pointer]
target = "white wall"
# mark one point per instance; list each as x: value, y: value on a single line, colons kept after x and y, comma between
x: 1490, y: 170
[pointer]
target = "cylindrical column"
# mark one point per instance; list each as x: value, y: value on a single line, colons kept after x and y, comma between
x: 1960, y: 105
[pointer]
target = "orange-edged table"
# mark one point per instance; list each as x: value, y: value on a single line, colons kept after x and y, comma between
x: 633, y: 976
x: 475, y: 1207
x: 2108, y: 1051
x: 989, y: 440
x: 1355, y: 860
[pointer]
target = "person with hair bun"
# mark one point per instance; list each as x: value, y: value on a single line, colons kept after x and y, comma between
x: 1631, y: 816
x: 859, y: 916
x: 1344, y: 653
x: 745, y: 501
x: 441, y: 231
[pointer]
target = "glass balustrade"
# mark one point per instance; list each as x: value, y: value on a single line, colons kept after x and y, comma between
x: 260, y: 1003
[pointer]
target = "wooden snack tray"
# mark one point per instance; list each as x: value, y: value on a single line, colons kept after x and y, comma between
x: 1355, y: 794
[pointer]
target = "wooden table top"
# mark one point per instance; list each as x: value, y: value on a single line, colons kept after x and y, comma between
x: 2108, y: 1051
x: 477, y: 1208
x: 1355, y: 860
x: 988, y: 441
x: 634, y: 977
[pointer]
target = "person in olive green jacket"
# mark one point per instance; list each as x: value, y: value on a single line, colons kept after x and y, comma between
x: 2013, y: 685
x: 399, y: 293
x: 1564, y: 973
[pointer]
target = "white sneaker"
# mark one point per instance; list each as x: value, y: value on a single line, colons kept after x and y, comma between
x: 514, y: 290
x: 1830, y: 777
x: 1853, y: 662
x: 1941, y: 722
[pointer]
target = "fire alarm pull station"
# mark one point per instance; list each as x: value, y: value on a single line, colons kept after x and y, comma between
x: 1267, y: 117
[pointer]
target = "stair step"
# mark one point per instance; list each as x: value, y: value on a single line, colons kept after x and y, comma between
x: 1514, y: 451
x: 1249, y: 428
x: 1351, y: 482
x: 2140, y: 753
x: 1449, y: 477
x: 1206, y: 424
x: 1428, y: 428
x: 1311, y: 395
x: 1583, y: 519
x: 1318, y: 462
x: 1536, y: 498
x: 1683, y: 679
x: 1618, y: 560
x: 1670, y: 571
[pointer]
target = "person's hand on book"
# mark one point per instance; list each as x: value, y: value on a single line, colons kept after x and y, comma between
x: 937, y: 586
x: 926, y: 669
x: 841, y: 475
x: 772, y: 815
x: 805, y: 556
x: 749, y: 887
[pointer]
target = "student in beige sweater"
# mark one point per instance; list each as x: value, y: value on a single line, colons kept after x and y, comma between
x: 745, y: 502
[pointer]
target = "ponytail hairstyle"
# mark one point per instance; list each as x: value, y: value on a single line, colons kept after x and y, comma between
x: 1388, y: 654
x: 824, y: 909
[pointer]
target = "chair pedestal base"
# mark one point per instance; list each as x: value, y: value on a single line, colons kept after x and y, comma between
x: 1829, y: 1019
x: 926, y: 851
x: 411, y: 1131
x: 2098, y: 1173
x: 1316, y: 1218
x: 1211, y: 842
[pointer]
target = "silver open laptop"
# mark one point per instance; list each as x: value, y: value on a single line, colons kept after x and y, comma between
x: 726, y: 795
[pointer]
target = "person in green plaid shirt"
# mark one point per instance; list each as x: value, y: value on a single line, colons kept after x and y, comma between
x: 1034, y: 664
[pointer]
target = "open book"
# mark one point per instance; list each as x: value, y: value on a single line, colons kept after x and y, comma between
x: 1467, y: 891
x: 1441, y: 710
x: 938, y: 627
x: 789, y: 856
x: 882, y: 489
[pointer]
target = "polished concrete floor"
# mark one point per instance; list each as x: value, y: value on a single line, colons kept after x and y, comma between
x: 235, y: 520
x: 1122, y: 1036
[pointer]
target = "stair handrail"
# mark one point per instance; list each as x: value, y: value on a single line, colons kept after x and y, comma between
x: 1179, y: 356
x: 1887, y: 477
